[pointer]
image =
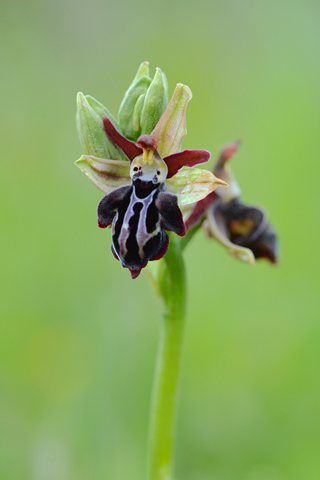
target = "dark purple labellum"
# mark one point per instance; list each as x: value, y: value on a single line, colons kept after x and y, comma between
x: 248, y: 227
x: 140, y: 214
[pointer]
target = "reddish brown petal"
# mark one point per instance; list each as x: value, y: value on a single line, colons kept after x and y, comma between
x: 130, y: 149
x: 199, y: 210
x: 188, y: 158
x: 229, y: 151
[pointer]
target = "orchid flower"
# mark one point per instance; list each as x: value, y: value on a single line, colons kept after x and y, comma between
x: 243, y: 229
x: 143, y: 195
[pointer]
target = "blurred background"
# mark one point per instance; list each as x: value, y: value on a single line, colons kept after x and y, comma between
x: 79, y: 337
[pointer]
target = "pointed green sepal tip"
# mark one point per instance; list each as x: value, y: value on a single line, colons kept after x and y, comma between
x: 155, y: 102
x: 172, y: 126
x: 107, y: 175
x: 91, y: 132
x: 143, y: 71
x: 102, y: 111
x: 193, y: 184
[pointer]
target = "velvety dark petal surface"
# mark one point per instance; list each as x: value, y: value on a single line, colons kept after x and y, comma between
x: 137, y: 235
x: 154, y: 249
x: 164, y: 247
x: 188, y: 158
x: 114, y: 253
x: 171, y: 216
x: 157, y: 246
x: 245, y: 223
x: 248, y: 227
x: 130, y: 149
x: 266, y: 245
x: 109, y: 204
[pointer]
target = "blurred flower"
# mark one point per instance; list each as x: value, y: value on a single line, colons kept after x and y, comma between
x: 242, y: 229
x: 144, y: 194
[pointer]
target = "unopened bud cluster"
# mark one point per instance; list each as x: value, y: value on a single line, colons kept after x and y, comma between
x: 143, y: 104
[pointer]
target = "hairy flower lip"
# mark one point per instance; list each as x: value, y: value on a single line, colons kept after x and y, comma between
x: 260, y: 237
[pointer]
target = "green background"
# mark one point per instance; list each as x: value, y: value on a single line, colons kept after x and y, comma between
x: 78, y: 336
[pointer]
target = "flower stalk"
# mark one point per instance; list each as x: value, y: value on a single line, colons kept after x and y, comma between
x: 166, y: 382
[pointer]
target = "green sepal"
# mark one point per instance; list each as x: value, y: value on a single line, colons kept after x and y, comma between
x: 102, y: 111
x: 192, y: 184
x: 107, y: 175
x: 143, y: 71
x: 172, y: 126
x: 155, y: 102
x: 92, y: 135
x: 137, y: 112
x: 131, y: 129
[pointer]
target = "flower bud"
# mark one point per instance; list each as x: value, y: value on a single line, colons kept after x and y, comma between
x: 132, y: 103
x: 155, y: 102
x: 102, y: 111
x: 143, y: 71
x: 92, y: 136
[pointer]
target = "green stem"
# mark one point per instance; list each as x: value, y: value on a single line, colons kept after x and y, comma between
x: 189, y: 236
x: 166, y: 383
